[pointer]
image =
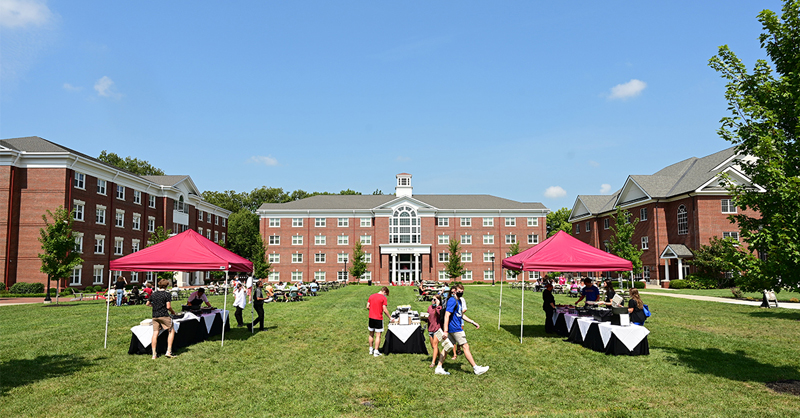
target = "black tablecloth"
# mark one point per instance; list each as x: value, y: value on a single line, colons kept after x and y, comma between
x: 561, y: 324
x: 414, y: 345
x: 575, y: 333
x: 593, y: 340
x: 191, y: 332
x: 617, y: 348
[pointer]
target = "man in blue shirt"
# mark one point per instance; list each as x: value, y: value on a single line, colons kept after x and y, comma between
x: 590, y: 292
x: 454, y: 331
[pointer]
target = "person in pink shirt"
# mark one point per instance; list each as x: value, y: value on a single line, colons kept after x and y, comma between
x: 376, y: 304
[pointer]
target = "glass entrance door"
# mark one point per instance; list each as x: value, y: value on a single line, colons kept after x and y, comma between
x: 405, y: 266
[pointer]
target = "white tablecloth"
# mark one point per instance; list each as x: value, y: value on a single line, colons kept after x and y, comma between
x: 583, y: 324
x: 570, y: 319
x: 144, y: 333
x: 630, y: 336
x: 402, y: 332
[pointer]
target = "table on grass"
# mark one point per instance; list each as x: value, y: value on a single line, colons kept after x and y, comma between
x: 399, y: 339
x: 606, y: 338
x: 191, y: 329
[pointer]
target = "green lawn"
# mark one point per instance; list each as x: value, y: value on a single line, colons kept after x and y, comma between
x: 707, y: 359
x: 783, y: 296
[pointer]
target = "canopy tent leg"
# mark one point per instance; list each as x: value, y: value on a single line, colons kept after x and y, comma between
x: 522, y: 311
x: 501, y: 298
x: 108, y: 298
x: 224, y: 317
x: 252, y: 329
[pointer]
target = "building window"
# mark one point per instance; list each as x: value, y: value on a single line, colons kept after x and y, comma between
x: 466, y: 257
x: 274, y: 258
x: 588, y: 227
x: 297, y: 240
x: 273, y: 222
x: 136, y: 222
x: 442, y: 221
x: 319, y: 258
x: 80, y: 181
x: 274, y: 276
x: 216, y: 220
x: 343, y: 240
x: 367, y: 258
x: 404, y: 226
x: 511, y: 275
x: 487, y: 257
x: 216, y: 237
x: 151, y: 224
x: 119, y: 219
x: 488, y: 239
x: 643, y: 214
x: 101, y: 187
x: 274, y: 240
x: 297, y: 276
x: 734, y: 235
x: 488, y: 275
x: 577, y: 229
x: 224, y: 220
x: 200, y: 230
x: 533, y: 238
x: 467, y: 275
x: 367, y: 275
x: 533, y: 221
x: 645, y: 243
x: 79, y: 242
x: 137, y: 197
x: 444, y: 239
x: 366, y: 239
x: 297, y: 222
x: 443, y: 275
x: 683, y: 221
x: 466, y: 239
x: 134, y: 277
x: 208, y: 217
x: 606, y: 246
x: 646, y: 272
x: 605, y: 223
x: 466, y: 221
x: 120, y: 192
x: 533, y: 275
x: 151, y: 201
x: 297, y: 258
x: 78, y: 208
x: 134, y: 245
x: 100, y: 215
x: 98, y: 274
x: 342, y: 258
x: 444, y: 257
x: 199, y: 215
x: 727, y: 206
x: 99, y: 244
x: 319, y: 240
x: 343, y: 222
x: 511, y: 239
x: 118, y: 246
x: 366, y: 222
x: 341, y: 275
x: 511, y: 221
x: 319, y: 222
x: 488, y: 221
x: 319, y: 276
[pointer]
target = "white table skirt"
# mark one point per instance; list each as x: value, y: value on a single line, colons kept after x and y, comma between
x: 630, y: 336
x: 144, y: 333
x: 402, y: 332
x: 570, y: 320
x: 584, y: 323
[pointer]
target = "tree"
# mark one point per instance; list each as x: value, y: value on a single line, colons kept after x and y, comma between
x: 621, y: 241
x: 513, y: 250
x: 160, y: 235
x: 359, y: 266
x: 454, y: 267
x: 764, y: 123
x: 134, y: 165
x: 58, y: 254
x: 713, y: 261
x: 260, y: 264
x: 245, y: 240
x: 558, y: 221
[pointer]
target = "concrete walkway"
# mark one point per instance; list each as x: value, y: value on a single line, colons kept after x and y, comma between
x: 787, y: 305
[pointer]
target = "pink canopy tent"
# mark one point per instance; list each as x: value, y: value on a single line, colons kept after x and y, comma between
x: 561, y: 252
x: 187, y: 251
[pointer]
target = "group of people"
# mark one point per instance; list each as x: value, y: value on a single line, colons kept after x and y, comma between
x: 445, y: 325
x: 591, y: 293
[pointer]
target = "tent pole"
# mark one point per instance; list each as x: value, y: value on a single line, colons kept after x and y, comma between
x: 501, y: 298
x: 252, y: 330
x: 224, y: 317
x: 522, y: 312
x: 108, y: 298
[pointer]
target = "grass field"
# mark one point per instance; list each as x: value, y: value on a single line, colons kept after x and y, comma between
x: 783, y: 296
x: 707, y: 359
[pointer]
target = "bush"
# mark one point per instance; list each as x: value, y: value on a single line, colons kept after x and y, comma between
x: 678, y: 284
x: 700, y: 283
x: 22, y: 288
x: 737, y: 293
x: 638, y: 285
x: 2, y: 286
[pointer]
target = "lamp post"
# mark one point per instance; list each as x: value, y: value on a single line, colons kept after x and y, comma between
x: 492, y: 270
x: 346, y: 276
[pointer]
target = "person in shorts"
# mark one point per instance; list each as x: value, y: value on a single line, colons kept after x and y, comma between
x: 453, y: 320
x: 376, y: 304
x: 162, y: 306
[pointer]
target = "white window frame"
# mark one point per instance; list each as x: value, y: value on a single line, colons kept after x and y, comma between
x: 320, y: 222
x: 297, y: 240
x: 320, y: 258
x: 368, y: 258
x: 78, y: 242
x: 97, y: 274
x: 467, y: 275
x: 297, y: 276
x: 487, y: 256
x: 727, y: 206
x: 533, y: 221
x: 99, y: 243
x: 100, y: 215
x: 466, y: 257
x: 134, y: 277
x: 320, y: 239
x: 732, y: 234
x: 216, y: 220
x: 577, y: 228
x: 79, y: 181
x: 119, y: 218
x: 151, y: 224
x: 466, y: 239
x: 274, y: 222
x: 274, y: 276
x: 274, y: 240
x: 488, y: 239
x: 488, y: 221
x: 533, y: 239
x: 683, y: 221
x: 342, y: 257
x: 343, y: 222
x: 444, y: 257
x: 466, y: 222
x: 366, y: 239
x: 643, y: 214
x: 120, y: 192
x: 216, y: 237
x: 137, y: 197
x: 297, y: 258
x: 102, y: 187
x: 588, y: 227
x: 606, y: 223
x: 511, y: 221
x: 119, y: 246
x: 645, y: 243
x: 151, y: 201
x: 274, y: 258
x: 442, y: 221
x: 443, y: 275
x: 366, y: 222
x: 136, y: 222
x: 135, y: 245
x: 511, y: 238
x: 343, y: 240
x: 533, y: 275
x: 444, y: 239
x: 297, y: 222
x: 79, y: 208
x: 319, y: 276
x: 488, y: 275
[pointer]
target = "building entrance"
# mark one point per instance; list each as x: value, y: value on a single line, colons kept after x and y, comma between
x: 404, y: 269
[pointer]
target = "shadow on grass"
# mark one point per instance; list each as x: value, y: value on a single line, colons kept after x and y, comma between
x: 536, y: 331
x: 734, y: 366
x: 23, y: 372
x: 240, y: 334
x: 779, y: 314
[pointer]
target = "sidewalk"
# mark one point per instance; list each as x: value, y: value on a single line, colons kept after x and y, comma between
x: 786, y: 305
x: 22, y: 301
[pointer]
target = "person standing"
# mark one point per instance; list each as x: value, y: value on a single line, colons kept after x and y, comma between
x: 549, y: 306
x: 239, y: 302
x: 610, y: 292
x: 119, y: 286
x: 453, y: 327
x: 258, y: 305
x: 376, y: 305
x: 197, y: 298
x: 435, y: 324
x: 162, y: 306
x: 589, y: 291
x: 457, y: 348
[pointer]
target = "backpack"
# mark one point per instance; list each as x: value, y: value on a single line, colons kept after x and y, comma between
x: 646, y: 311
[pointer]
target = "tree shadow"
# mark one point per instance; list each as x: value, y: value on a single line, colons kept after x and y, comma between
x: 734, y: 366
x: 239, y: 334
x: 23, y: 372
x: 793, y: 315
x: 536, y: 331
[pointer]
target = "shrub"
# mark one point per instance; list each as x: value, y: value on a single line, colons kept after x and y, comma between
x: 638, y: 285
x: 699, y: 282
x: 737, y: 293
x: 678, y: 284
x: 2, y: 286
x: 20, y: 288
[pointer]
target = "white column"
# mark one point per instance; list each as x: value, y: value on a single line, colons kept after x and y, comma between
x: 394, y: 268
x: 666, y: 268
x: 416, y: 267
x: 680, y: 269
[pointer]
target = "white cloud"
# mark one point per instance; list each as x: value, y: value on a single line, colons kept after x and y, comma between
x: 105, y: 88
x: 268, y: 161
x: 70, y: 87
x: 402, y: 158
x: 625, y: 91
x: 605, y: 188
x: 22, y: 13
x: 554, y: 192
x: 594, y: 163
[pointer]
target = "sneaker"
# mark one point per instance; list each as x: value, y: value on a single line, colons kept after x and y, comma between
x: 442, y: 371
x: 377, y: 354
x: 480, y: 369
x: 371, y: 351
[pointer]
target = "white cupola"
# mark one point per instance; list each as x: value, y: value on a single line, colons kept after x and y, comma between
x: 403, y: 187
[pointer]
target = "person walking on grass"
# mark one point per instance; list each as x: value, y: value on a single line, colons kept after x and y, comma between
x: 160, y: 301
x: 453, y: 328
x: 239, y: 302
x: 258, y: 305
x: 376, y: 305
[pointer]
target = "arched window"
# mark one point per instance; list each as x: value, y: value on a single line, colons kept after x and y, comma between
x: 683, y: 221
x: 404, y: 226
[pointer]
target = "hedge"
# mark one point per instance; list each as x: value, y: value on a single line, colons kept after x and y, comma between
x: 24, y: 288
x: 679, y: 284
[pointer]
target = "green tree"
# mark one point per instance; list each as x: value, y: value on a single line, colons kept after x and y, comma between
x: 558, y: 221
x: 454, y: 267
x: 359, y: 266
x: 620, y: 243
x: 245, y: 240
x: 58, y: 254
x: 349, y: 192
x: 764, y: 123
x: 134, y: 165
x: 713, y: 261
x: 160, y: 235
x: 260, y: 264
x: 514, y: 250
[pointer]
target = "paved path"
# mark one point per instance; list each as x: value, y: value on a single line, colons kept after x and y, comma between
x: 787, y: 305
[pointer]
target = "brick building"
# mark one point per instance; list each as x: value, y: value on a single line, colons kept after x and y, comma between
x: 680, y: 208
x: 405, y: 236
x: 115, y: 210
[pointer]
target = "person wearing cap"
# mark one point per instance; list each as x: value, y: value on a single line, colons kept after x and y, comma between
x: 197, y: 298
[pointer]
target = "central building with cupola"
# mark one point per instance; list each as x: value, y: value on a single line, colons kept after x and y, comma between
x: 405, y: 237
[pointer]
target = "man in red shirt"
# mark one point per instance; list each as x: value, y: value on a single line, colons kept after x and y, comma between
x: 376, y: 304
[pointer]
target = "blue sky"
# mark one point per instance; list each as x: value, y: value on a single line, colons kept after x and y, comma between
x: 528, y: 100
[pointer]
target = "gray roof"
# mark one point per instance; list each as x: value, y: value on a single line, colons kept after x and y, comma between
x: 348, y: 202
x: 598, y: 203
x: 681, y: 251
x: 166, y: 180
